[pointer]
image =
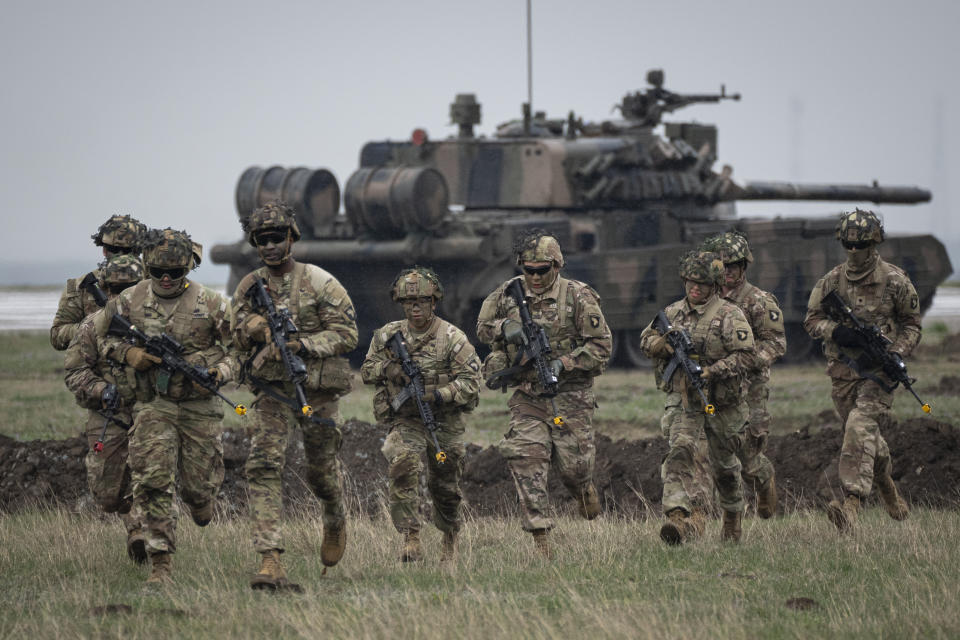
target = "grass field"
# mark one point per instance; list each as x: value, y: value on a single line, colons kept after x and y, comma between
x: 609, y: 579
x: 38, y: 404
x: 791, y: 577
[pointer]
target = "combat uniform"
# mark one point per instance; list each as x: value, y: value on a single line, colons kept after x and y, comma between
x: 326, y: 323
x: 87, y: 376
x: 177, y: 425
x: 569, y: 313
x: 451, y: 372
x: 765, y: 318
x: 881, y: 294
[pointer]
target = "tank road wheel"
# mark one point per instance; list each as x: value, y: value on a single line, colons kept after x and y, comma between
x: 630, y: 352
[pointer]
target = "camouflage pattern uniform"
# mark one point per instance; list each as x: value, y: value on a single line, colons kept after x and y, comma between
x: 326, y: 322
x: 569, y: 312
x: 87, y: 376
x: 76, y: 303
x: 880, y: 294
x: 762, y: 310
x: 177, y: 425
x: 451, y: 372
x: 724, y: 341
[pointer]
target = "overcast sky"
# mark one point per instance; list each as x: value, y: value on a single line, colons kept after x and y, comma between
x: 155, y: 108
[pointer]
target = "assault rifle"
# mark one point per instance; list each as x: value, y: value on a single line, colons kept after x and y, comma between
x: 281, y: 326
x: 535, y: 349
x: 111, y: 400
x: 414, y: 389
x: 89, y: 283
x: 875, y: 347
x: 171, y: 361
x: 682, y: 359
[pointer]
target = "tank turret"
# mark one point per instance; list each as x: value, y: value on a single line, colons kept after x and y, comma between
x: 626, y: 197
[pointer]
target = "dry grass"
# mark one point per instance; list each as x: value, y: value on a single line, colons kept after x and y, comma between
x: 610, y: 579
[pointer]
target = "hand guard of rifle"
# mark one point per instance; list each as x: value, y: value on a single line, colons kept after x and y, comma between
x: 683, y: 349
x: 414, y: 390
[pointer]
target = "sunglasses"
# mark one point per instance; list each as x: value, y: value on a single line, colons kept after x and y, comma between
x: 855, y: 245
x: 276, y: 237
x: 537, y: 271
x: 421, y: 302
x: 118, y: 250
x: 174, y: 273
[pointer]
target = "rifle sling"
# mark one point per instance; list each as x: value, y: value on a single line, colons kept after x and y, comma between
x: 853, y: 364
x: 266, y: 387
x: 114, y: 419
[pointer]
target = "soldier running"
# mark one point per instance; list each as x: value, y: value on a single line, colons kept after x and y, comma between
x: 880, y: 294
x: 451, y: 384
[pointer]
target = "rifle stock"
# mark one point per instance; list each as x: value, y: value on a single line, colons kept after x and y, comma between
x: 89, y: 283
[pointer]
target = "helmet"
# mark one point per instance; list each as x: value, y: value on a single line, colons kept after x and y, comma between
x: 168, y: 248
x: 860, y: 226
x: 702, y: 266
x: 273, y: 215
x: 197, y: 254
x: 732, y: 247
x: 418, y: 282
x: 120, y: 231
x: 123, y: 269
x: 538, y: 246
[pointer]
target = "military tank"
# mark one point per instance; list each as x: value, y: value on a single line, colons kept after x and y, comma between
x: 625, y: 196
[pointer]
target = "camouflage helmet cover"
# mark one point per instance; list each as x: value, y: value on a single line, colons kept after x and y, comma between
x: 123, y: 269
x: 860, y: 226
x: 417, y: 282
x: 702, y: 266
x: 168, y: 248
x: 732, y: 247
x: 273, y: 215
x: 120, y: 231
x: 538, y: 246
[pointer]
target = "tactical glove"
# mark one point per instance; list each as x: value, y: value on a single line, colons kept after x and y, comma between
x: 394, y: 372
x: 846, y: 337
x: 256, y: 328
x: 660, y: 348
x: 706, y: 373
x: 894, y: 366
x: 512, y: 331
x: 139, y: 359
x: 215, y: 377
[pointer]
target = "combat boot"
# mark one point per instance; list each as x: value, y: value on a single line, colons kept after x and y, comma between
x: 542, y: 543
x: 676, y: 530
x: 767, y: 498
x: 589, y: 502
x: 448, y: 549
x: 731, y: 526
x: 412, y: 551
x: 892, y: 502
x: 137, y: 546
x: 272, y: 576
x: 161, y: 568
x: 333, y: 545
x: 844, y: 516
x: 203, y: 514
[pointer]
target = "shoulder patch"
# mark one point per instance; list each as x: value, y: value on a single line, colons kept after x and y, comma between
x: 774, y: 315
x: 742, y: 334
x: 594, y: 321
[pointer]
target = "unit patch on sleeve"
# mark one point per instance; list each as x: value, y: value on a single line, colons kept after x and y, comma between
x: 742, y: 334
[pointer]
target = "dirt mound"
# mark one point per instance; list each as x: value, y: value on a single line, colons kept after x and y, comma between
x: 926, y: 467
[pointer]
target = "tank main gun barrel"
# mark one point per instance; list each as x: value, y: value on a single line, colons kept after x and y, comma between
x: 829, y: 193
